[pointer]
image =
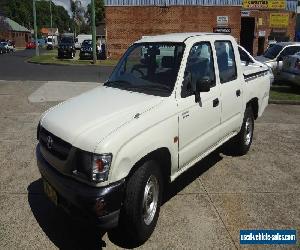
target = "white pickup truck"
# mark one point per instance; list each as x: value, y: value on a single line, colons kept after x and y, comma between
x: 106, y: 155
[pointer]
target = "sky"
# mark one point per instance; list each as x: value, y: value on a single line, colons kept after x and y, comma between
x: 66, y: 3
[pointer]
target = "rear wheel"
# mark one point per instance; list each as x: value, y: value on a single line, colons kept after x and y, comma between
x: 142, y: 202
x: 242, y: 141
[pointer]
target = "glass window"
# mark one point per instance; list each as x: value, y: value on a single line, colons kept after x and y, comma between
x: 273, y: 51
x: 200, y: 66
x: 226, y: 61
x: 289, y: 51
x: 150, y: 68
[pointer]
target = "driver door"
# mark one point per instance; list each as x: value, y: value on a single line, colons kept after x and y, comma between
x: 198, y: 122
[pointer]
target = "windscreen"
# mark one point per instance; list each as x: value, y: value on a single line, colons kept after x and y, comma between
x: 149, y: 68
x: 273, y: 51
x: 67, y: 40
x: 87, y: 43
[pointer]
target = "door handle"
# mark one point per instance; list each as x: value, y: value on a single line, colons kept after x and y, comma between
x: 216, y: 102
x: 238, y: 93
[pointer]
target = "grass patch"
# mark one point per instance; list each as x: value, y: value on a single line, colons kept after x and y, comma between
x: 50, y: 57
x: 285, y: 92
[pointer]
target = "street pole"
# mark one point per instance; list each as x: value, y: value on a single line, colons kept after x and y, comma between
x: 37, y: 52
x: 51, y: 22
x: 94, y: 32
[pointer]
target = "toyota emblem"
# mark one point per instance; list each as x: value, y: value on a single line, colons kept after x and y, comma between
x: 49, y: 142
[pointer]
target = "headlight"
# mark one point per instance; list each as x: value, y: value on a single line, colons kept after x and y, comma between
x: 100, y: 167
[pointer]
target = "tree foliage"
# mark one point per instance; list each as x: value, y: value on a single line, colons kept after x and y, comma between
x: 21, y: 12
x: 99, y: 12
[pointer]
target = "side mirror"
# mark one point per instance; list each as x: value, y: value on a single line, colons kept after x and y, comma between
x: 202, y: 85
x: 279, y: 58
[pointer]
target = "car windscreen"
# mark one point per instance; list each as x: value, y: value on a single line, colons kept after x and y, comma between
x: 273, y: 51
x: 87, y: 43
x: 149, y: 68
x: 49, y: 40
x: 67, y: 40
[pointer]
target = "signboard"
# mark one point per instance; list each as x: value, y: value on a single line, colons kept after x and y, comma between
x: 279, y: 20
x: 222, y: 20
x: 261, y: 33
x: 264, y: 4
x: 222, y: 30
x: 245, y: 13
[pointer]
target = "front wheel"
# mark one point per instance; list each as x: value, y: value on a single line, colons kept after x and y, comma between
x: 142, y: 202
x: 242, y: 141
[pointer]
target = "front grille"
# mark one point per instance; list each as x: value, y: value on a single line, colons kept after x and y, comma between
x: 53, y: 144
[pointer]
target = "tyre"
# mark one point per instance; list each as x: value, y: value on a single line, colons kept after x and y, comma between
x: 242, y: 141
x: 142, y: 202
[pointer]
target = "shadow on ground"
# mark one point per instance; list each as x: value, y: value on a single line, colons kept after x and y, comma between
x: 68, y: 234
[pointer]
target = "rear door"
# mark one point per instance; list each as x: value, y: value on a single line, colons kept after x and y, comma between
x: 198, y: 122
x: 231, y: 87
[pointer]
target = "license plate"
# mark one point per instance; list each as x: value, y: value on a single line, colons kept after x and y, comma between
x: 50, y: 192
x: 86, y: 54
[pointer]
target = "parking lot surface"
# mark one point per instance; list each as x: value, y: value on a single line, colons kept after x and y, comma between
x: 13, y: 67
x: 204, y: 209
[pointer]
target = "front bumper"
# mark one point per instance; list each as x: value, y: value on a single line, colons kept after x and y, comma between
x: 65, y: 51
x: 86, y: 55
x: 96, y: 205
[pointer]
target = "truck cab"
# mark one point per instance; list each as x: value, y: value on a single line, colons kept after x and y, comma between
x: 171, y: 100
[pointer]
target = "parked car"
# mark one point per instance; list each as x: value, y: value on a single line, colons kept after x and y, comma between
x: 52, y: 42
x: 2, y: 49
x: 6, y: 47
x: 80, y: 39
x: 106, y: 155
x: 66, y: 47
x: 11, y: 46
x: 274, y: 55
x: 86, y: 51
x: 291, y: 69
x: 30, y: 45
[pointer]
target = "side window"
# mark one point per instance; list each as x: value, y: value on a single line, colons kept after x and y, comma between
x: 199, y: 66
x: 226, y: 61
x: 289, y: 51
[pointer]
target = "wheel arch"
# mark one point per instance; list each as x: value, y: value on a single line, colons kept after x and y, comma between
x: 162, y: 157
x: 253, y: 103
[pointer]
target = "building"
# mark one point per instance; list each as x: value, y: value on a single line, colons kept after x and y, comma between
x: 10, y: 30
x: 252, y: 24
x: 49, y: 32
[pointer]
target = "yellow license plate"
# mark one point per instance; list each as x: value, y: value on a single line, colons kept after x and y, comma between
x: 50, y: 192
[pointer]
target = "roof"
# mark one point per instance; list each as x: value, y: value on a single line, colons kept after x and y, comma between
x: 174, y: 37
x: 14, y: 26
x: 287, y: 43
x: 290, y: 4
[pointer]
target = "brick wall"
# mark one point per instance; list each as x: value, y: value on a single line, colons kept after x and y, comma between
x: 20, y: 38
x: 265, y: 15
x: 128, y: 24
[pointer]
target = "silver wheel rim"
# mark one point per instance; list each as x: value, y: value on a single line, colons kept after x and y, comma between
x: 248, y: 131
x: 150, y: 199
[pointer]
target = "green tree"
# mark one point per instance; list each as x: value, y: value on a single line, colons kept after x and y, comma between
x: 99, y: 12
x: 21, y: 12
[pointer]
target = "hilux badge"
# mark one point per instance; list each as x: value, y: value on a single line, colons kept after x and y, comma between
x: 49, y: 142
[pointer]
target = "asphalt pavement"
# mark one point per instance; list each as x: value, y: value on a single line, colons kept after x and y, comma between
x: 205, y: 208
x: 13, y: 67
